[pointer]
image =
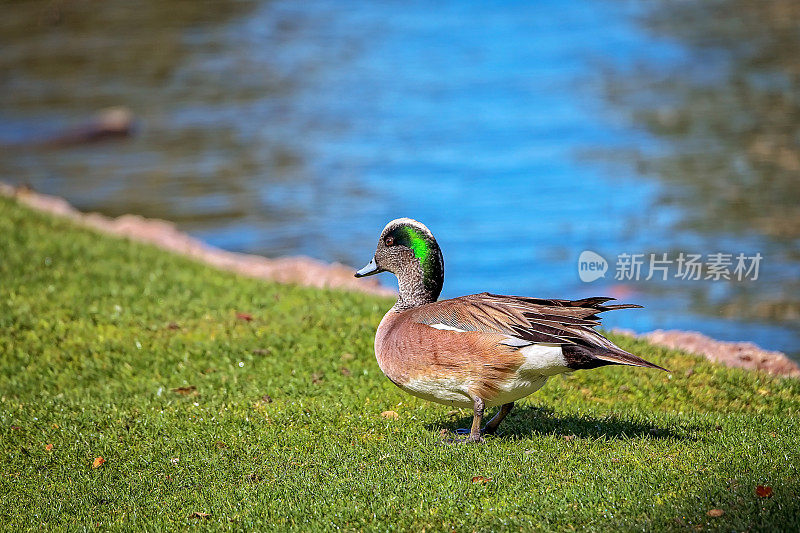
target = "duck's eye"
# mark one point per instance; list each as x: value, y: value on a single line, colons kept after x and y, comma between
x: 389, y: 241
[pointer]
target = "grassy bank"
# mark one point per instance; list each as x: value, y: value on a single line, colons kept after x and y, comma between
x: 226, y: 402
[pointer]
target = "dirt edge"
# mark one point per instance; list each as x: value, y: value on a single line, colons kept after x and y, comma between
x: 163, y: 234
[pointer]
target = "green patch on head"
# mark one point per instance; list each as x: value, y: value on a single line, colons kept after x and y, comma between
x: 418, y: 244
x: 426, y: 251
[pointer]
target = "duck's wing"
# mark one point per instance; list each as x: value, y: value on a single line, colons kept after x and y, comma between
x: 526, y: 321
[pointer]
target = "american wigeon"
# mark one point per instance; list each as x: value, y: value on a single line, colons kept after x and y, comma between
x: 480, y: 350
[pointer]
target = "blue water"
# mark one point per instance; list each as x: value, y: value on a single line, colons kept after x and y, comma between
x: 290, y: 128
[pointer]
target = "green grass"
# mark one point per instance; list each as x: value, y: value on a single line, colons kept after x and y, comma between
x: 97, y: 333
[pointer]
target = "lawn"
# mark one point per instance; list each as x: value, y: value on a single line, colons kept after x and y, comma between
x: 225, y: 402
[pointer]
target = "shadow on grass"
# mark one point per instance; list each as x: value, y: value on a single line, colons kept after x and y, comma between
x: 529, y: 421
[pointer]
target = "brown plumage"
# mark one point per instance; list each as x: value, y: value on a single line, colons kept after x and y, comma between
x: 483, y: 349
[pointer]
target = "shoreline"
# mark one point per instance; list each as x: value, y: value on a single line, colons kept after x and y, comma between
x: 314, y: 273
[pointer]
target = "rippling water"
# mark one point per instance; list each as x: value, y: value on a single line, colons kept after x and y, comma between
x: 520, y: 133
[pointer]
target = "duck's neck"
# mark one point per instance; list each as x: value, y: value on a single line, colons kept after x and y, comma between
x: 418, y: 286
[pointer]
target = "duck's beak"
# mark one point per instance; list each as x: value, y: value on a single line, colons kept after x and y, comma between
x: 370, y: 269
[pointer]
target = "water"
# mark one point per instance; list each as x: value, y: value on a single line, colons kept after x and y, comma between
x: 520, y: 133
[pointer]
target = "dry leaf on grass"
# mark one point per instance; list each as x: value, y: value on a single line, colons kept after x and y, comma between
x: 247, y: 317
x: 483, y: 480
x: 714, y: 513
x: 189, y: 389
x: 98, y: 462
x: 390, y: 414
x: 763, y: 491
x: 316, y: 378
x: 201, y: 515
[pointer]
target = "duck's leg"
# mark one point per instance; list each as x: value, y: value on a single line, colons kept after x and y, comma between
x: 477, y: 417
x: 491, y: 426
x: 475, y: 430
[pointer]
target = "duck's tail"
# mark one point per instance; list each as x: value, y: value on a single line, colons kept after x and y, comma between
x: 580, y: 357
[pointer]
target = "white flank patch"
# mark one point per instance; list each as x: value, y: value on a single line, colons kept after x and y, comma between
x: 544, y: 359
x: 541, y: 362
x: 447, y: 328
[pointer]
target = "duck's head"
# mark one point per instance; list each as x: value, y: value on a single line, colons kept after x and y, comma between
x: 408, y: 250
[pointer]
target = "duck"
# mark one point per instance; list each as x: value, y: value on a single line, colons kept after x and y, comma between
x: 482, y: 350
